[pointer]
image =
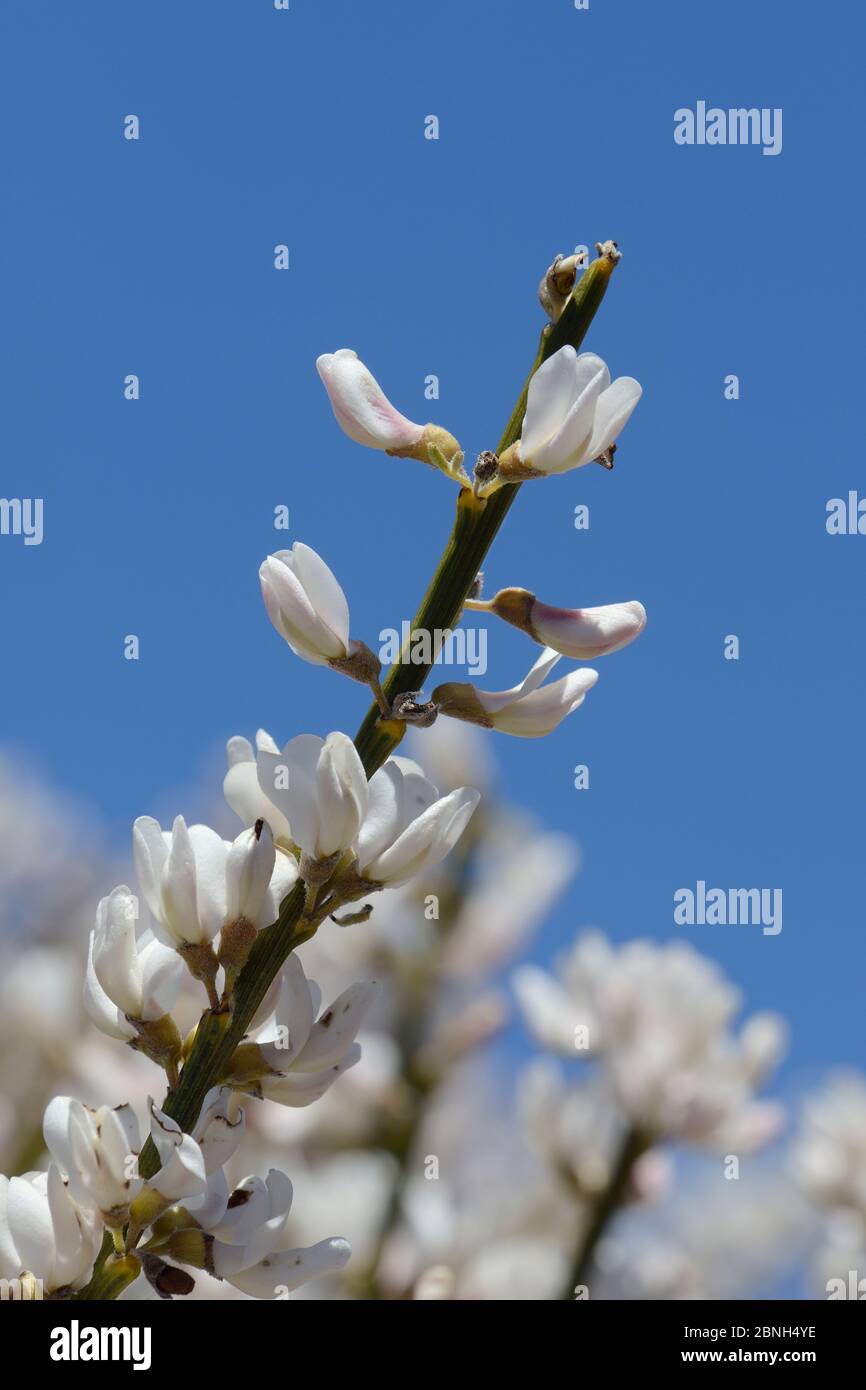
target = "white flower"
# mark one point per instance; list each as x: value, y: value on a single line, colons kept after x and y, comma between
x: 361, y: 406
x: 242, y: 791
x: 573, y: 412
x: 137, y: 979
x: 98, y: 1152
x: 182, y: 1166
x: 251, y: 1248
x: 217, y: 1134
x: 44, y: 1232
x: 585, y: 633
x: 306, y: 604
x: 659, y: 1018
x: 257, y: 878
x: 182, y: 874
x: 529, y: 709
x: 305, y: 1055
x: 409, y: 828
x: 320, y: 787
x: 830, y: 1154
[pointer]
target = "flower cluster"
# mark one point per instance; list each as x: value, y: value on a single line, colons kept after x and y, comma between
x: 327, y: 822
x: 658, y: 1019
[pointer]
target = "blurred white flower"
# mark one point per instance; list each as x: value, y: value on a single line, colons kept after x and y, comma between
x: 408, y: 827
x: 520, y: 873
x: 529, y: 709
x: 44, y: 1231
x: 320, y: 787
x: 574, y: 412
x: 829, y: 1155
x: 306, y: 604
x: 659, y: 1017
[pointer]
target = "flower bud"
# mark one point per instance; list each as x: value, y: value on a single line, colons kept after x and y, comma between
x: 367, y: 416
x: 558, y: 282
x: 580, y: 633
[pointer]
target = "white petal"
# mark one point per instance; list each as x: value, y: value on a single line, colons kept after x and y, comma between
x: 324, y: 593
x: 298, y: 1088
x: 115, y: 958
x: 162, y: 976
x: 249, y: 866
x: 540, y: 712
x: 99, y: 1008
x: 151, y: 855
x: 333, y: 1034
x: 246, y: 798
x: 567, y: 448
x: 341, y: 793
x: 551, y: 392
x: 289, y: 1269
x: 612, y: 413
x: 30, y: 1226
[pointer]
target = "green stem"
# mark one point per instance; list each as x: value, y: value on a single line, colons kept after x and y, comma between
x: 111, y: 1275
x: 475, y: 528
x: 221, y: 1030
x: 633, y: 1145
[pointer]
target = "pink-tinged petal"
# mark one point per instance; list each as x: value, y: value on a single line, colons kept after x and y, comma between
x: 586, y: 633
x: 361, y: 406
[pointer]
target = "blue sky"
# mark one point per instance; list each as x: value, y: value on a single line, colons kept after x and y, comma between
x: 556, y: 128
